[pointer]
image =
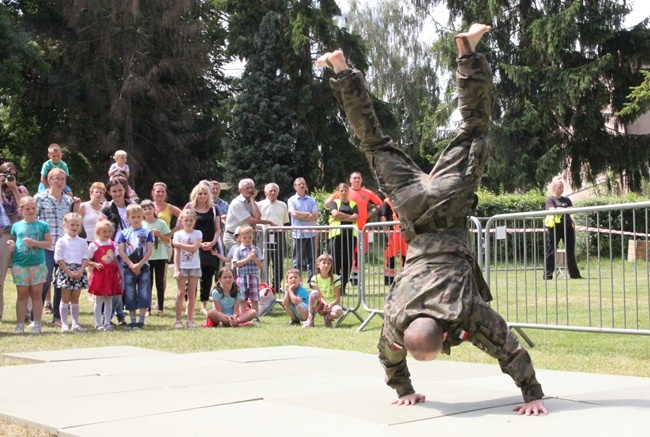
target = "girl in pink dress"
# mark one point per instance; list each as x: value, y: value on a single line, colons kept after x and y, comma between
x: 105, y: 281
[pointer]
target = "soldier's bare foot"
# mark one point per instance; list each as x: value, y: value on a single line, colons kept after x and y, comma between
x: 334, y: 60
x: 467, y: 41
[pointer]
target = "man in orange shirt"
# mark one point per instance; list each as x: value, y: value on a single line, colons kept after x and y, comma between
x: 363, y: 198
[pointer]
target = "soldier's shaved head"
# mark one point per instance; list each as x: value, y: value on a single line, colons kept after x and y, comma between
x: 424, y: 338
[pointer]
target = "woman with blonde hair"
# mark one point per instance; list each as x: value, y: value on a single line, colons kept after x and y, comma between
x: 560, y: 227
x: 208, y: 221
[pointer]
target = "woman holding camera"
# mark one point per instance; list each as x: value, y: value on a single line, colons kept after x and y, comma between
x: 11, y: 195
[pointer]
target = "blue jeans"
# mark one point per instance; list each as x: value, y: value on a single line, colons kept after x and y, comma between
x: 56, y: 299
x: 137, y: 288
x: 118, y: 308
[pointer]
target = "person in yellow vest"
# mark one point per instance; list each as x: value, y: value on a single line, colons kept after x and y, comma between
x: 368, y: 203
x: 342, y: 242
x: 560, y: 227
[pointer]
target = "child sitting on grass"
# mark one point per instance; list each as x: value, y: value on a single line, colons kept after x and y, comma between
x: 226, y: 300
x: 326, y: 295
x: 296, y: 298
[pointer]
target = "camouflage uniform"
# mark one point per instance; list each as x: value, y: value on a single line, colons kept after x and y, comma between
x: 441, y: 278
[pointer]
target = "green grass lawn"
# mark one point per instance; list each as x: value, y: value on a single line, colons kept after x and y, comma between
x: 557, y: 350
x: 572, y: 351
x: 616, y: 295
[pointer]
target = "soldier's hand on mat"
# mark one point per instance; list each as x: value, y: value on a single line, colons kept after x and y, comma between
x: 534, y: 408
x: 411, y: 399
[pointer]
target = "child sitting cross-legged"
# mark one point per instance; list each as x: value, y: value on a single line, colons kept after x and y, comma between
x: 226, y: 300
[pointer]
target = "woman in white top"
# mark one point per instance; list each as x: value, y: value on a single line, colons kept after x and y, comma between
x: 90, y: 211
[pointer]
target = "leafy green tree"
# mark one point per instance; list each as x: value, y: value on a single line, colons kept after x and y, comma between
x: 317, y: 136
x: 262, y: 140
x: 18, y: 58
x: 639, y: 99
x: 562, y: 70
x: 143, y: 76
x: 402, y: 71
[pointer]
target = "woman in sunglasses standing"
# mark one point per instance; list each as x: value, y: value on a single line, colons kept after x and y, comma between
x: 11, y: 195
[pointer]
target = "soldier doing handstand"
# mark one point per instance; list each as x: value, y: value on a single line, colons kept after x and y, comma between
x: 439, y: 298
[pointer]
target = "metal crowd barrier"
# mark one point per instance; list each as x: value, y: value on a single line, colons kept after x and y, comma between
x: 612, y: 250
x: 287, y: 246
x: 381, y: 253
x: 385, y: 245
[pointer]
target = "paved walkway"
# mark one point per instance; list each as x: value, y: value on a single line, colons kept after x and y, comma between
x: 299, y: 391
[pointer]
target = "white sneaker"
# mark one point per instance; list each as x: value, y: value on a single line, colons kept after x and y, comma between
x: 20, y: 328
x: 65, y: 328
x: 77, y: 328
x: 31, y: 325
x: 108, y: 327
x: 99, y: 327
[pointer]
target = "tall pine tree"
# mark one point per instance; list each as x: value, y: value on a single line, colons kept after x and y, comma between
x: 262, y: 141
x: 323, y: 153
x: 562, y: 71
x: 139, y: 75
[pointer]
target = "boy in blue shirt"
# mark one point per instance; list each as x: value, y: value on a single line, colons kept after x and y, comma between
x: 296, y: 298
x: 55, y: 154
x: 135, y: 245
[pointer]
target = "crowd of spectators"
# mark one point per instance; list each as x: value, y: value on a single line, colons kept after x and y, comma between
x: 208, y: 241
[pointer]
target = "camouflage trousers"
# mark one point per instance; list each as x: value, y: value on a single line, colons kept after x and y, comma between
x: 440, y: 275
x: 488, y: 331
x: 449, y: 191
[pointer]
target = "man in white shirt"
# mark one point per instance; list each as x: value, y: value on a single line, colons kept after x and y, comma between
x: 243, y: 211
x: 276, y: 211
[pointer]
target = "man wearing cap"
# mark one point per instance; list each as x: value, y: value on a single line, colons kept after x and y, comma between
x: 243, y: 211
